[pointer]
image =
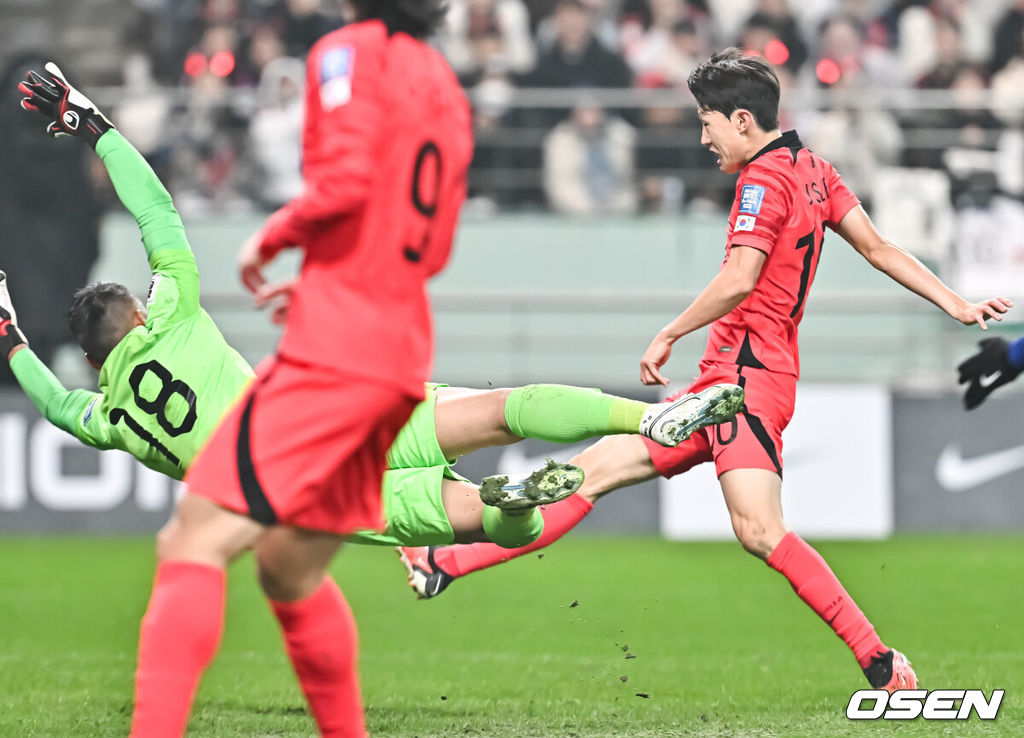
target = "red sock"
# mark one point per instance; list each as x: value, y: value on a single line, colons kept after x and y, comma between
x: 180, y: 634
x: 559, y: 519
x: 320, y: 635
x: 814, y: 582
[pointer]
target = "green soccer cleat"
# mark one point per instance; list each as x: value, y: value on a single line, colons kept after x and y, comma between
x: 552, y: 483
x: 672, y: 423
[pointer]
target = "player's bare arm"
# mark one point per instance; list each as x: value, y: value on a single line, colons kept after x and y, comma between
x: 731, y: 286
x: 858, y: 230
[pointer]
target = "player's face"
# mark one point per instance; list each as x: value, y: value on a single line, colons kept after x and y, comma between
x: 722, y: 137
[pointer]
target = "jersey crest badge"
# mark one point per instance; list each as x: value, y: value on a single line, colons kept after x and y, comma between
x: 751, y: 197
x: 336, y: 66
x: 745, y: 223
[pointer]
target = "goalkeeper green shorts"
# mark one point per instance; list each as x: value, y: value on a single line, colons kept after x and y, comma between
x: 413, y: 507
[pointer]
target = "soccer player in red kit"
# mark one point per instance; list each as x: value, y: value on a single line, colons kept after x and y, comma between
x: 785, y: 196
x: 298, y: 462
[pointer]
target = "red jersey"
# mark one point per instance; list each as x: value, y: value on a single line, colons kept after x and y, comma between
x: 785, y: 196
x: 386, y: 144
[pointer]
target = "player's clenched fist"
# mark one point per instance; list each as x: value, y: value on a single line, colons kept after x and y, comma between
x: 70, y: 113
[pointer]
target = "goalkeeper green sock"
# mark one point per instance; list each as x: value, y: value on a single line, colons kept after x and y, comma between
x: 564, y: 414
x: 512, y: 529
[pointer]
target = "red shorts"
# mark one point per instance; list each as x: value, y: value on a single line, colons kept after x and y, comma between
x: 752, y: 440
x: 304, y: 447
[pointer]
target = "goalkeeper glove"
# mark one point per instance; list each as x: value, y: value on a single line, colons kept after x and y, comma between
x: 987, y: 370
x: 10, y: 335
x: 69, y: 111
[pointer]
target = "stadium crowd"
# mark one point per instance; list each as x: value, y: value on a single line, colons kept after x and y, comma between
x: 581, y: 105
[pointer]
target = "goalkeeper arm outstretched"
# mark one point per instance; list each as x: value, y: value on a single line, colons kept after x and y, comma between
x: 174, y: 293
x: 60, y: 406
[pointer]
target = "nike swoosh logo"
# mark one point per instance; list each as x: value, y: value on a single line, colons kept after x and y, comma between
x: 987, y: 380
x: 955, y: 474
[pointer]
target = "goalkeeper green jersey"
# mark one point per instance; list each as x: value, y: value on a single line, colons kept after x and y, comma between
x: 166, y: 384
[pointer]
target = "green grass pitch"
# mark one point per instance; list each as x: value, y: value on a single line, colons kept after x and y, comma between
x: 600, y: 637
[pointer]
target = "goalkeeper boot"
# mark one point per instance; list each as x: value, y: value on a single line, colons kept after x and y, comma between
x: 891, y: 671
x: 672, y: 423
x: 552, y: 483
x: 425, y: 576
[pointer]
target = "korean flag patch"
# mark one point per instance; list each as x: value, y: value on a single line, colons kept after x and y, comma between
x: 751, y: 197
x: 745, y: 223
x: 336, y: 67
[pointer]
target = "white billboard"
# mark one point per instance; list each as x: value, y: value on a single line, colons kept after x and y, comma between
x: 49, y: 481
x: 837, y: 472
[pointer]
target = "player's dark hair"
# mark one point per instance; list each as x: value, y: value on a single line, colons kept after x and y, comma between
x: 418, y: 18
x: 100, y: 316
x: 730, y: 81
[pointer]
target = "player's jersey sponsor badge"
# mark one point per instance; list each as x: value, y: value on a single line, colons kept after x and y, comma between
x: 751, y: 197
x: 336, y: 66
x: 745, y: 223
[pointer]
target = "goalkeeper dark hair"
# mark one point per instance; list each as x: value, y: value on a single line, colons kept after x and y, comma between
x: 100, y: 316
x: 418, y: 18
x: 730, y: 81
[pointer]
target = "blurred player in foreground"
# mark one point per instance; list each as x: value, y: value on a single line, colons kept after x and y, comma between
x: 996, y: 363
x: 297, y: 463
x: 785, y: 196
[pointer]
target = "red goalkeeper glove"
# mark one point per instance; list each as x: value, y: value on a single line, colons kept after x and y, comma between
x: 69, y: 111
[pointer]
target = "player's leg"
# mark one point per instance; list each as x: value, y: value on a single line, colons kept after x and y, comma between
x: 316, y: 622
x: 468, y: 420
x: 183, y: 622
x: 474, y: 521
x: 464, y: 509
x: 435, y: 506
x: 507, y: 511
x: 754, y: 499
x: 611, y: 463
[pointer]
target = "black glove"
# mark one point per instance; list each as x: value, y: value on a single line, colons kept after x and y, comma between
x: 69, y: 111
x: 10, y: 335
x: 986, y: 370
